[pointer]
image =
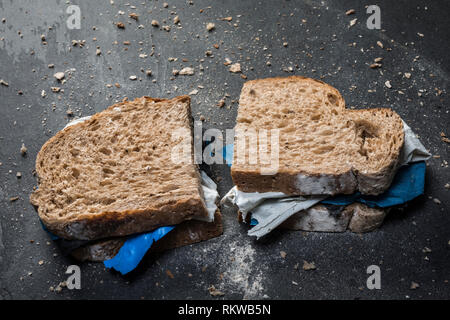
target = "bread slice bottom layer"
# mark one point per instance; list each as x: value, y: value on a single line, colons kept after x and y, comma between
x: 186, y: 233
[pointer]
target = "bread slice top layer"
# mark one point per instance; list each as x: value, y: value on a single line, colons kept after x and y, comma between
x: 113, y: 174
x: 324, y: 148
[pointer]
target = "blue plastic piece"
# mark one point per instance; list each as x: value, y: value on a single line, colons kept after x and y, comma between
x: 227, y: 154
x: 134, y: 249
x: 408, y: 184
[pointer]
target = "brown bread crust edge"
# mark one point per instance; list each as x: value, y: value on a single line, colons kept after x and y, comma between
x: 186, y: 233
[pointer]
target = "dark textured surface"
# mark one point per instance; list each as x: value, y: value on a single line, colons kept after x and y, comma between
x: 318, y: 37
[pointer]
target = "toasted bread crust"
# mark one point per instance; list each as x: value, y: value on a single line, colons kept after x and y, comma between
x: 186, y: 233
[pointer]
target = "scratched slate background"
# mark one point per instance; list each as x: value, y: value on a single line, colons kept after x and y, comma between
x: 320, y: 44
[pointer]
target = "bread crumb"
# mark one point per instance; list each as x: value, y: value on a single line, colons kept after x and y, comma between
x: 349, y: 12
x: 210, y: 26
x: 59, y: 75
x: 188, y: 71
x: 214, y: 292
x: 380, y: 44
x: 388, y: 84
x: 308, y: 265
x: 155, y: 23
x: 169, y: 274
x: 375, y: 65
x: 134, y: 16
x: 414, y: 285
x: 4, y: 83
x: 283, y: 254
x: 353, y: 22
x: 133, y: 78
x: 437, y: 201
x: 120, y: 25
x: 23, y: 149
x: 235, y: 68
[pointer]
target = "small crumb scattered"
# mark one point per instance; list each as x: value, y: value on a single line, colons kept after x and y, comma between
x: 214, y: 292
x: 120, y: 25
x: 349, y: 12
x: 353, y: 22
x: 414, y: 285
x: 59, y: 75
x: 375, y: 65
x: 235, y: 68
x: 155, y: 23
x: 437, y: 201
x: 210, y: 26
x: 308, y: 265
x: 283, y: 254
x: 134, y: 16
x: 133, y: 78
x: 188, y: 71
x: 388, y: 84
x: 23, y: 150
x: 169, y: 274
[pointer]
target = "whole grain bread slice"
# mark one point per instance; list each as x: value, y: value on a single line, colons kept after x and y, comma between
x: 324, y: 148
x: 184, y: 234
x: 114, y: 175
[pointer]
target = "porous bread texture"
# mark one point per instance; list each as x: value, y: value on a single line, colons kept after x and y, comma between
x: 186, y: 233
x: 112, y: 175
x: 324, y: 148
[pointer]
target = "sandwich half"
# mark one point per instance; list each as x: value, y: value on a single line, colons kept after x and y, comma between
x: 115, y: 174
x: 324, y: 148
